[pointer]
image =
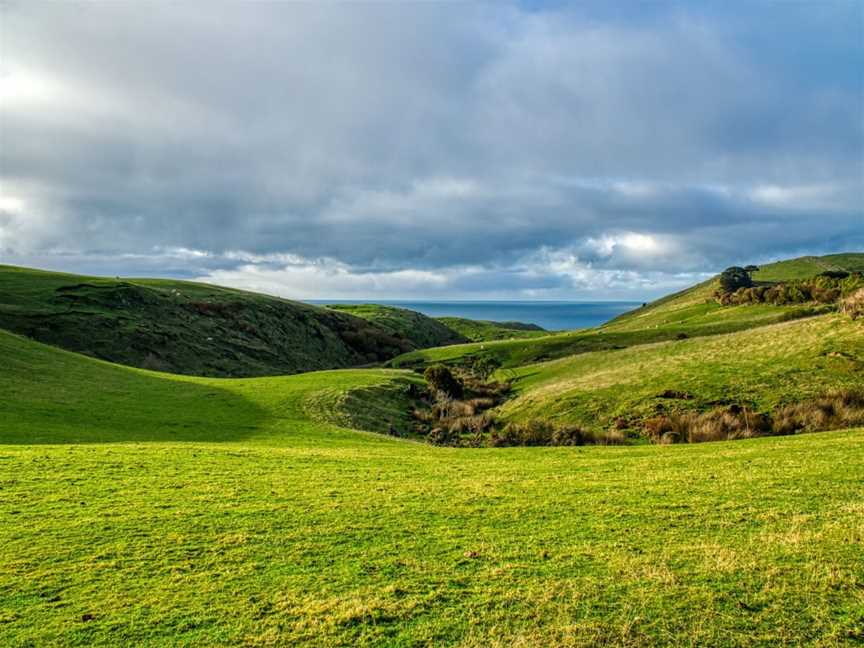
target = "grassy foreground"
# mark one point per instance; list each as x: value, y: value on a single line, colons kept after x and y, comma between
x: 368, y: 543
x: 146, y: 508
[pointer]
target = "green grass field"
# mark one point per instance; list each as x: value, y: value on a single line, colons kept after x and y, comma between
x: 148, y: 508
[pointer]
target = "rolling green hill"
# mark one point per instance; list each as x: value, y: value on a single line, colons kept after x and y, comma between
x: 148, y: 508
x: 426, y: 332
x: 194, y: 328
x: 809, y: 266
x: 698, y: 318
x: 763, y: 368
x: 485, y: 330
x: 421, y: 330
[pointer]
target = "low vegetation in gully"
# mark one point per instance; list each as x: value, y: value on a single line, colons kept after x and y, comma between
x: 465, y: 483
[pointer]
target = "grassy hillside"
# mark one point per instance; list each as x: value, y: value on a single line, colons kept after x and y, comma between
x: 698, y: 319
x: 763, y: 368
x: 809, y: 266
x: 145, y: 508
x: 192, y: 328
x: 485, y: 330
x: 691, y: 312
x: 426, y: 332
x: 420, y: 330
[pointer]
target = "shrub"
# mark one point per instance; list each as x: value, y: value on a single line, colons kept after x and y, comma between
x: 837, y: 409
x: 571, y: 436
x: 494, y: 390
x: 718, y: 424
x: 476, y: 424
x: 543, y: 433
x: 441, y: 379
x: 532, y: 433
x: 485, y: 366
x: 853, y: 305
x: 823, y: 289
x: 834, y: 274
x: 442, y: 436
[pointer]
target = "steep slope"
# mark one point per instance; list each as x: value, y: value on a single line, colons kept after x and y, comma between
x: 422, y: 331
x: 189, y: 328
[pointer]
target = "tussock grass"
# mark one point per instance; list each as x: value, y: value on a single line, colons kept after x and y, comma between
x: 853, y: 305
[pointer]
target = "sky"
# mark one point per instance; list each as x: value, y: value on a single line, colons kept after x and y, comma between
x: 534, y: 150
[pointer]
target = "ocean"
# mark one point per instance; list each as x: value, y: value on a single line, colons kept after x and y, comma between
x: 551, y: 315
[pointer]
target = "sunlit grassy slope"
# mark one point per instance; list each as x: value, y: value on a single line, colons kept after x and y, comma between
x: 53, y: 396
x: 808, y: 266
x: 763, y: 367
x: 691, y: 312
x: 145, y: 508
x: 692, y: 318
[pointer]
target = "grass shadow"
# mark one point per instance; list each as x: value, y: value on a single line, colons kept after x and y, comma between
x: 53, y: 396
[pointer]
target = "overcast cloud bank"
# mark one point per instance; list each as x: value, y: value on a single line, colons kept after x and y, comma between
x: 435, y: 151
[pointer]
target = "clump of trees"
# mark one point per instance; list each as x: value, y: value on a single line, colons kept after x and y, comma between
x: 826, y: 288
x: 731, y: 279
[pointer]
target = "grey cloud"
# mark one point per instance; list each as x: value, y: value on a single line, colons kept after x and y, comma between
x: 427, y: 138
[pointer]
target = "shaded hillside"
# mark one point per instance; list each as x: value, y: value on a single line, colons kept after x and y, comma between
x: 188, y: 328
x: 419, y: 329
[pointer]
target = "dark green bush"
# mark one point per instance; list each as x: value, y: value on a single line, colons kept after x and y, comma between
x: 441, y: 379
